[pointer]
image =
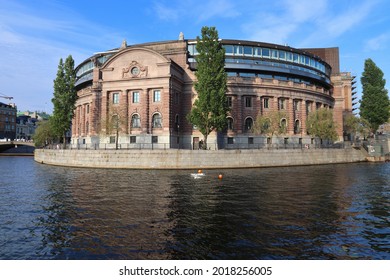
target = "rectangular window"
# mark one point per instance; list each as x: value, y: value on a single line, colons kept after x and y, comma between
x: 289, y: 56
x: 282, y: 55
x: 250, y: 140
x: 112, y: 139
x: 297, y: 105
x: 115, y: 98
x: 228, y: 49
x: 266, y: 103
x: 248, y: 51
x: 135, y: 97
x: 274, y: 54
x: 257, y: 51
x: 154, y: 139
x: 88, y: 109
x: 265, y: 52
x: 296, y: 57
x: 229, y: 101
x: 133, y: 139
x: 156, y: 96
x: 238, y: 50
x: 282, y: 104
x: 248, y: 101
x: 230, y: 140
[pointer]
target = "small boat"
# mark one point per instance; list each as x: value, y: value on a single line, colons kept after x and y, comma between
x: 197, y: 175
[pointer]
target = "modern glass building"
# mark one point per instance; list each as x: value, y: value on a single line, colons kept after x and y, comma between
x: 139, y: 96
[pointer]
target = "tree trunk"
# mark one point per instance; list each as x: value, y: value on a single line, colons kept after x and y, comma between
x: 204, y: 147
x: 64, y: 141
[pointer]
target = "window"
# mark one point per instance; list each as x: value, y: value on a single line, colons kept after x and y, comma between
x: 135, y: 97
x: 248, y: 124
x: 266, y: 103
x: 297, y: 127
x: 112, y: 139
x: 133, y: 139
x: 282, y: 104
x: 154, y: 139
x: 308, y: 107
x: 228, y: 49
x: 87, y: 108
x: 297, y: 105
x: 283, y: 125
x: 156, y: 96
x: 229, y: 101
x: 238, y: 50
x: 230, y: 140
x: 156, y: 121
x: 230, y: 123
x: 135, y: 121
x: 265, y: 52
x: 248, y: 101
x: 115, y: 98
x: 250, y: 140
x: 248, y: 51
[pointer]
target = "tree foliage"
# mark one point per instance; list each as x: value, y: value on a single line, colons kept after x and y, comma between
x: 274, y: 123
x: 356, y: 125
x: 375, y: 104
x: 320, y: 124
x: 116, y: 120
x: 43, y: 134
x: 64, y: 98
x: 210, y: 109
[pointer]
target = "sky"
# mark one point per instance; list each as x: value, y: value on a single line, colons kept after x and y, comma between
x: 35, y: 35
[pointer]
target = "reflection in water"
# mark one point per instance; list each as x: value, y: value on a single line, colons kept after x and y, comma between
x: 316, y: 212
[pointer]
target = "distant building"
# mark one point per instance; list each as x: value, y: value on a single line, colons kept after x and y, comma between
x: 7, y: 121
x: 143, y: 93
x: 26, y: 123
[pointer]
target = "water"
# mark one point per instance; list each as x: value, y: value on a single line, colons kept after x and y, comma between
x: 311, y: 212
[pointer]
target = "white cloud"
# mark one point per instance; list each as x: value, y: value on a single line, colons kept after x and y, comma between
x: 166, y: 13
x: 378, y: 43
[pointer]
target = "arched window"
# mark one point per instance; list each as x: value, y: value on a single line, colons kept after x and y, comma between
x: 156, y: 121
x: 297, y: 127
x: 283, y: 125
x: 135, y: 121
x: 248, y: 124
x: 229, y: 123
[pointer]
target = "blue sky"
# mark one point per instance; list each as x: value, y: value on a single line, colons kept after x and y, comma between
x: 34, y: 35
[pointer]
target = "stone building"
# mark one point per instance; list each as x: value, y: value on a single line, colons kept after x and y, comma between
x: 7, y: 121
x: 138, y: 96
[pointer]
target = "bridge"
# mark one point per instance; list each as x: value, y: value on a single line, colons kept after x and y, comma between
x: 16, y: 147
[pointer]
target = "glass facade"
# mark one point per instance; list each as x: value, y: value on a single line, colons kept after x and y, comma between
x: 259, y: 60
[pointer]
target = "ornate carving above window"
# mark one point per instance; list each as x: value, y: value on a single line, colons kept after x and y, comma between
x: 135, y: 70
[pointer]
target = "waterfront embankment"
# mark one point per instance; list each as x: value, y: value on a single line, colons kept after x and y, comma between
x: 194, y: 159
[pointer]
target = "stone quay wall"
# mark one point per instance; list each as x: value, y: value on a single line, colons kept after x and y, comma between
x: 195, y: 159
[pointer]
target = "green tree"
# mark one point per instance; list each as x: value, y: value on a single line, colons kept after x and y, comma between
x: 375, y: 104
x: 43, y: 134
x: 210, y: 109
x: 355, y: 125
x: 116, y: 120
x: 64, y: 98
x: 274, y: 123
x: 320, y: 123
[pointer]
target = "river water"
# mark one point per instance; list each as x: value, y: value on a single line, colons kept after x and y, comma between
x: 309, y: 212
